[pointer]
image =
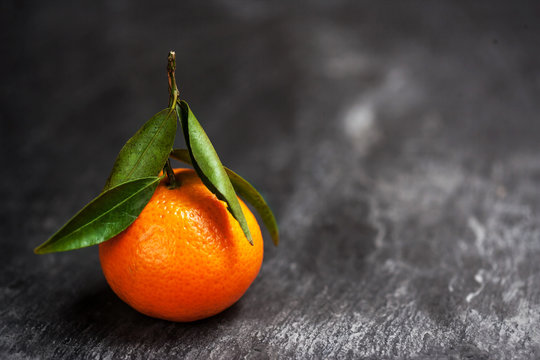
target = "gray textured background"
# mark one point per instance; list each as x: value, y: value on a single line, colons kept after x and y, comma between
x: 398, y: 144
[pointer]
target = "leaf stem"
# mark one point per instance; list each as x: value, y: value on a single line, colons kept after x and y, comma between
x: 171, y: 178
x: 173, y: 88
x: 173, y: 96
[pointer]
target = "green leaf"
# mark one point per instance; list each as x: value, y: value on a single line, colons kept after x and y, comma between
x: 244, y: 189
x: 106, y: 216
x: 208, y: 166
x: 146, y: 152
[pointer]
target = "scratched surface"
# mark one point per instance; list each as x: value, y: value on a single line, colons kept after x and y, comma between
x: 399, y: 145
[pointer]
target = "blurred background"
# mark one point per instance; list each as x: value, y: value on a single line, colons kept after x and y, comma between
x: 397, y: 143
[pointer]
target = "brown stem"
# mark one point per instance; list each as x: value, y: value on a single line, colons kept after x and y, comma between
x: 173, y: 88
x: 171, y: 178
x: 173, y: 96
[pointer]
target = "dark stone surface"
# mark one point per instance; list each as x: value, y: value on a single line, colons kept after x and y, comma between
x: 397, y: 143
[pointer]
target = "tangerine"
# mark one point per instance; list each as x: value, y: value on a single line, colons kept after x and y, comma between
x: 185, y: 257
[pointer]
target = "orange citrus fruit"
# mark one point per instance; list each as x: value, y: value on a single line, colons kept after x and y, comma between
x: 185, y: 257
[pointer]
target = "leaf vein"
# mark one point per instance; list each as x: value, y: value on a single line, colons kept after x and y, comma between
x: 107, y: 212
x: 148, y: 146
